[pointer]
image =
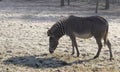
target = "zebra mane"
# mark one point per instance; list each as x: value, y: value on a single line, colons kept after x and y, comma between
x: 57, y: 28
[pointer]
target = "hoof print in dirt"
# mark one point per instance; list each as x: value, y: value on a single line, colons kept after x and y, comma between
x: 44, y: 54
x: 9, y: 51
x: 65, y: 51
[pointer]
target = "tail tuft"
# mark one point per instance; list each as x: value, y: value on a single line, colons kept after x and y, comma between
x: 105, y: 37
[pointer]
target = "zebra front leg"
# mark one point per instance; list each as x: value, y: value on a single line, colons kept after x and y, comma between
x: 74, y: 44
x: 73, y: 50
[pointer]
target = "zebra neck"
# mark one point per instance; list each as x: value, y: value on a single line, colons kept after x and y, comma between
x: 59, y: 34
x: 60, y: 29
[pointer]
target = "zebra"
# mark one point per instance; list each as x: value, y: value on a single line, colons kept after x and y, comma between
x: 82, y: 27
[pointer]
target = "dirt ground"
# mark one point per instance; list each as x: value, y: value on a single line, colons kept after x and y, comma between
x: 24, y: 42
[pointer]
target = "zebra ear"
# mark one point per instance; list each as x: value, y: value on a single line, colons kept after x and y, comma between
x: 49, y: 33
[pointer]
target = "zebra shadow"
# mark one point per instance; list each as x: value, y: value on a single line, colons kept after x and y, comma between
x: 34, y: 62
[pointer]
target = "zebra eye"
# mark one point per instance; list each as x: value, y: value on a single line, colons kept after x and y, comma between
x: 48, y: 34
x: 51, y: 38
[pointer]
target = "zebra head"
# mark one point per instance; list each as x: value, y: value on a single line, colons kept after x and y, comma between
x: 55, y: 33
x: 53, y: 41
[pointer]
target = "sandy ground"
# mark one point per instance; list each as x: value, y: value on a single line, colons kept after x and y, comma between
x: 24, y: 42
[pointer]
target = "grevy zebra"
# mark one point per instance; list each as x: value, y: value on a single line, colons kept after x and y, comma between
x: 82, y: 27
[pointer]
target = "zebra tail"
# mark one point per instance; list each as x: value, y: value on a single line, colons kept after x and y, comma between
x: 105, y: 37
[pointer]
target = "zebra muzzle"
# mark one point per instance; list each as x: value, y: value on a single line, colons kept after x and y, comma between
x: 51, y: 51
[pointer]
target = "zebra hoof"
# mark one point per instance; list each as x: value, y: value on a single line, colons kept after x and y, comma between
x: 72, y: 54
x: 111, y: 59
x: 95, y: 57
x: 77, y: 55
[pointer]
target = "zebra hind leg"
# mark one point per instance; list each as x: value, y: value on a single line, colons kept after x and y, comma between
x: 98, y: 40
x: 74, y: 44
x: 109, y: 46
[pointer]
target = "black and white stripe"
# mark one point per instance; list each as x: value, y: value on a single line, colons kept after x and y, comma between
x: 58, y: 29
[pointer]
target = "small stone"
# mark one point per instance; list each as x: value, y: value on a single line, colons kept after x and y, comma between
x: 83, y: 55
x: 1, y: 58
x: 81, y: 41
x: 65, y: 51
x: 115, y: 36
x: 44, y: 54
x: 57, y: 70
x: 9, y: 51
x: 21, y: 24
x: 7, y: 69
x: 30, y: 26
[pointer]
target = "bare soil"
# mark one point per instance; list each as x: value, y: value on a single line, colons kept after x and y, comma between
x: 24, y: 42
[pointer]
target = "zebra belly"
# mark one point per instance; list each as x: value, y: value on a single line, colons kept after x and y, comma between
x: 85, y: 35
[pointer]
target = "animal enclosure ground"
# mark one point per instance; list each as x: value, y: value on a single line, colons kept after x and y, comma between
x: 24, y: 41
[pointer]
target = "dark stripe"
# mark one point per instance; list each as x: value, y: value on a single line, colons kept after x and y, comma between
x: 59, y: 28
